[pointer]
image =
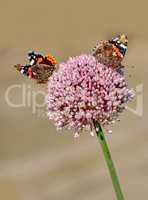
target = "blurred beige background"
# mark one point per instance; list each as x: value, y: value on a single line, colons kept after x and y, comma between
x: 37, y: 162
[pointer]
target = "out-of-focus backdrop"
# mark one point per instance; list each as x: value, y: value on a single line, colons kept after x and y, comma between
x: 36, y: 161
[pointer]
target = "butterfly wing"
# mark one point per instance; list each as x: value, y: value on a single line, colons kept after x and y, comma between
x: 42, y: 72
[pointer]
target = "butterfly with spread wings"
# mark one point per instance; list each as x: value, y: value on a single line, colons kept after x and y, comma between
x: 111, y: 52
x: 39, y: 68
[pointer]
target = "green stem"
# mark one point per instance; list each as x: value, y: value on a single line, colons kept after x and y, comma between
x: 108, y: 158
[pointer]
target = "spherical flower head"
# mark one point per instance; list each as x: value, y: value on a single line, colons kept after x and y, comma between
x: 84, y: 90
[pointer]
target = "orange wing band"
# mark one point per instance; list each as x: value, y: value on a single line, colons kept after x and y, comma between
x: 116, y: 50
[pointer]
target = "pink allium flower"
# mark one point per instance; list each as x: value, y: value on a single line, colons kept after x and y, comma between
x: 83, y: 90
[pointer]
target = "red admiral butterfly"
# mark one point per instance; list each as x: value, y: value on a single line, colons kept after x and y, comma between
x: 112, y: 51
x: 40, y: 67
